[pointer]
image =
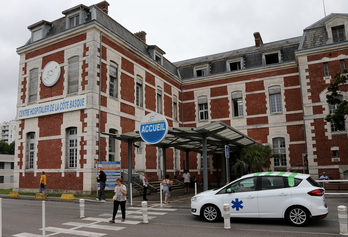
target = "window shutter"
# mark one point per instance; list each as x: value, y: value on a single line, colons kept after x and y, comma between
x: 202, y: 100
x: 274, y: 90
x: 33, y: 85
x: 73, y: 75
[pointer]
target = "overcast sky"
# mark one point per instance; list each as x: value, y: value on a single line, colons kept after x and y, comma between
x: 182, y: 28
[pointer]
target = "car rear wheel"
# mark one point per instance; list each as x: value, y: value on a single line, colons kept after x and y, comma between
x: 297, y: 216
x: 210, y: 213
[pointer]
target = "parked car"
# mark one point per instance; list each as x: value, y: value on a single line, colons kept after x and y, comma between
x: 295, y: 197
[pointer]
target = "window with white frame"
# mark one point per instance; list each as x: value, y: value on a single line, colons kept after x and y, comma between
x: 201, y: 71
x: 2, y: 165
x: 175, y: 109
x: 326, y: 70
x: 271, y: 58
x: 159, y: 101
x: 332, y: 109
x: 113, y: 82
x: 279, y: 148
x: 33, y: 83
x: 31, y: 150
x: 158, y: 58
x: 235, y: 64
x: 208, y: 162
x: 338, y: 33
x: 112, y: 146
x: 74, y: 20
x: 72, y: 147
x: 275, y: 99
x: 73, y: 74
x: 237, y: 103
x: 139, y: 91
x: 1, y: 179
x: 203, y: 108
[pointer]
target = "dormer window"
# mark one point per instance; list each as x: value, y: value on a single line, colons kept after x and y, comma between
x: 201, y: 71
x: 39, y: 30
x: 74, y: 20
x: 338, y: 33
x: 271, y: 58
x: 158, y: 58
x: 75, y: 16
x: 234, y: 64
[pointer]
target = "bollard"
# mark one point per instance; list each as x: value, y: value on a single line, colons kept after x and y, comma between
x: 342, y: 218
x: 227, y: 218
x: 195, y: 188
x: 43, y: 218
x: 0, y: 217
x: 144, y: 211
x: 82, y: 208
x: 131, y: 194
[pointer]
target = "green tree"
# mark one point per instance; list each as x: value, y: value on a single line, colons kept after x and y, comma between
x: 255, y: 158
x: 6, y: 148
x: 334, y: 98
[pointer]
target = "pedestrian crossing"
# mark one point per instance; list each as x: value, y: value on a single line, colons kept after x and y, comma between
x: 100, y: 223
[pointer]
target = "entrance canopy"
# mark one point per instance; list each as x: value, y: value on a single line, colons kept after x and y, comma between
x: 207, y: 139
x: 218, y: 134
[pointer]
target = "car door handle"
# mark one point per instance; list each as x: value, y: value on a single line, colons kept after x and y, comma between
x: 283, y: 194
x: 250, y: 197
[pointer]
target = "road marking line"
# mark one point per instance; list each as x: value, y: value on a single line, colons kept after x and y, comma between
x: 74, y: 232
x: 25, y: 234
x: 95, y: 226
x: 107, y: 220
x: 128, y: 216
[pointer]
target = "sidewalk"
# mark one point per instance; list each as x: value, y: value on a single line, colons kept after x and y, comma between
x: 177, y: 200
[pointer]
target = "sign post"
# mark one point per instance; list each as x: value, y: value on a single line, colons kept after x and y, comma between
x: 227, y: 155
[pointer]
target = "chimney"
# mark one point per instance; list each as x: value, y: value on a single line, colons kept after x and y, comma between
x: 104, y: 6
x: 258, y: 39
x: 141, y: 35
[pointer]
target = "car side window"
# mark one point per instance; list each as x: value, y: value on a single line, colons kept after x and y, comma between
x: 245, y: 185
x: 272, y: 182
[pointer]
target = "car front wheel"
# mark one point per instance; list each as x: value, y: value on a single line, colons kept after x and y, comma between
x: 210, y: 213
x: 297, y: 216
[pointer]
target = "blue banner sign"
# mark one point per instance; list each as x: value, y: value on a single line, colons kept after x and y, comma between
x: 53, y: 107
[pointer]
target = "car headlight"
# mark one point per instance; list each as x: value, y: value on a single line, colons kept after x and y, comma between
x: 195, y: 198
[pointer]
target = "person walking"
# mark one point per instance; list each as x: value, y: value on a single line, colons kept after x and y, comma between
x: 166, y: 188
x: 187, y: 180
x: 43, y: 183
x: 145, y: 183
x: 101, y: 179
x: 120, y: 200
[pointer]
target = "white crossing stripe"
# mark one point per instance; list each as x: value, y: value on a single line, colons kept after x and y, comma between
x: 129, y: 216
x: 107, y: 220
x: 74, y: 232
x: 25, y: 234
x: 152, y: 209
x: 94, y: 226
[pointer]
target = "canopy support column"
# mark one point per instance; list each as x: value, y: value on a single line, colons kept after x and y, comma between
x: 130, y: 165
x: 205, y: 163
x: 188, y: 161
x: 164, y: 161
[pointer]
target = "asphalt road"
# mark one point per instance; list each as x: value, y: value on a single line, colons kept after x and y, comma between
x: 23, y: 217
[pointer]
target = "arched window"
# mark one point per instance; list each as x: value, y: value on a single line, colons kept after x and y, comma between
x: 31, y: 150
x: 73, y: 75
x: 139, y: 91
x: 203, y: 108
x: 72, y: 147
x: 279, y: 148
x: 275, y: 99
x: 112, y: 146
x: 113, y: 81
x: 237, y: 104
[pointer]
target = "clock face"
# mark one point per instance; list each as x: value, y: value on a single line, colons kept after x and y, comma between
x: 51, y: 73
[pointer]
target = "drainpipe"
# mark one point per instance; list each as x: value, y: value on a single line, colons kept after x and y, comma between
x: 99, y: 111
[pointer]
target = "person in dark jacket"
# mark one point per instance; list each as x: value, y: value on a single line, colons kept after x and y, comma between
x: 101, y: 179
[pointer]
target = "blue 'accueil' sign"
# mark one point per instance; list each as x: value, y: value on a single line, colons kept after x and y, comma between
x: 153, y: 128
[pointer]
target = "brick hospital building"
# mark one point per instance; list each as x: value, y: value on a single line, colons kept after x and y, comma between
x: 85, y: 74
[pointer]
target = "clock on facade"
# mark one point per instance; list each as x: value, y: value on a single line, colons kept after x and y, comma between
x: 51, y: 73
